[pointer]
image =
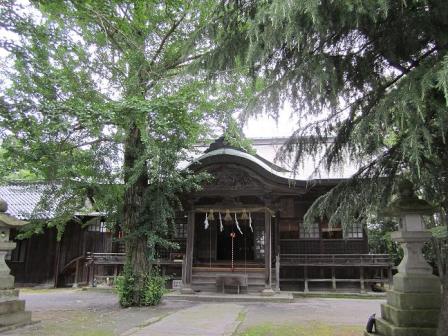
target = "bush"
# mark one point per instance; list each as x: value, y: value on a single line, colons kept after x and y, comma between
x: 153, y: 290
x: 125, y: 286
x: 131, y: 294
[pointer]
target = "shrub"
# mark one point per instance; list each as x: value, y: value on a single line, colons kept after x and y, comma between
x: 125, y: 286
x: 131, y: 294
x: 153, y: 290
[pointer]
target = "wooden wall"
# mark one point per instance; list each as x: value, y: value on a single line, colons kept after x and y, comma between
x: 45, y: 256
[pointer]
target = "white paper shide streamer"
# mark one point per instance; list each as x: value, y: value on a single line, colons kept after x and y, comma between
x: 238, y: 225
x: 221, y: 227
x: 250, y: 223
x: 206, y: 221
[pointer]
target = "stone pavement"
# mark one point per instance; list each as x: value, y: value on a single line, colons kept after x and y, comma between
x: 219, y: 319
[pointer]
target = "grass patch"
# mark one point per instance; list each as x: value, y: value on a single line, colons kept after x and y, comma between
x: 307, y: 329
x: 70, y: 323
x: 241, y: 316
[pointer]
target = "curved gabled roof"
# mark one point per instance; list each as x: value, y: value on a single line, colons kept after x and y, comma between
x: 220, y: 151
x: 230, y: 152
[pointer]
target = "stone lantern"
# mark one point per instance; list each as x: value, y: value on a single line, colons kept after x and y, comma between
x: 12, y: 310
x: 413, y: 305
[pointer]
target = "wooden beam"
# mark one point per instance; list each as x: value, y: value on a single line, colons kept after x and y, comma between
x: 187, y: 277
x: 267, y: 250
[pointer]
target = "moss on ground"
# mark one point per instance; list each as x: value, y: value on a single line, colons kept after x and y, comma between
x: 306, y: 329
x: 70, y: 323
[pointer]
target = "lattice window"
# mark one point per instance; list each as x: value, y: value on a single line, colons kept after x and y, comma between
x: 98, y: 225
x: 331, y: 232
x: 354, y: 232
x: 180, y: 230
x: 309, y: 232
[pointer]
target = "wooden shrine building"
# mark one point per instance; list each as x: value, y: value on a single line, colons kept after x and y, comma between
x: 243, y: 231
x: 246, y: 226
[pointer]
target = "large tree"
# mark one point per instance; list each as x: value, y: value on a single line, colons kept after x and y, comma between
x: 370, y: 75
x: 97, y: 94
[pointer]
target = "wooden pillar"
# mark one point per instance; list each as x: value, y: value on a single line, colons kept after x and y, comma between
x: 75, y: 283
x: 333, y: 277
x: 277, y: 272
x: 187, y: 277
x: 305, y: 279
x: 361, y: 279
x: 56, y: 265
x: 92, y: 272
x: 115, y: 273
x: 277, y: 251
x: 268, y: 254
x: 389, y: 276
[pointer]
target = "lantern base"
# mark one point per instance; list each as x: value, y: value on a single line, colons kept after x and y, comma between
x: 12, y: 310
x: 412, y: 307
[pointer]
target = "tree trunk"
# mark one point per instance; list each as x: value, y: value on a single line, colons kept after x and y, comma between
x: 136, y: 242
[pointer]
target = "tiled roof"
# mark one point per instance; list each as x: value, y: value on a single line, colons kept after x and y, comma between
x: 268, y: 148
x: 23, y: 200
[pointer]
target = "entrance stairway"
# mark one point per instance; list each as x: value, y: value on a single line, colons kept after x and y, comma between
x: 204, y: 277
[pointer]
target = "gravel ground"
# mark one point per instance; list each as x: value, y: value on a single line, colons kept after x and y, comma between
x: 332, y: 311
x: 74, y: 312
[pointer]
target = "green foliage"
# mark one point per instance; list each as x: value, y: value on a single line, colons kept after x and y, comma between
x: 125, y: 286
x: 106, y: 98
x: 233, y: 135
x: 368, y: 82
x: 155, y: 287
x: 380, y: 240
x: 131, y: 294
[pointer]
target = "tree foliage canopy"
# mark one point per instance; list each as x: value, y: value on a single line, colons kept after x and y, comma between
x: 102, y: 93
x: 367, y: 78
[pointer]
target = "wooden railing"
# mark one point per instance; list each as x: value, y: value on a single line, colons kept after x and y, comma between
x: 381, y: 260
x: 106, y: 258
x: 362, y: 262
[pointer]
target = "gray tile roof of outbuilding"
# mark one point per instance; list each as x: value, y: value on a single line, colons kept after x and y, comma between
x: 23, y: 200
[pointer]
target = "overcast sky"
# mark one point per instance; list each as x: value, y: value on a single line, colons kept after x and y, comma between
x: 263, y: 126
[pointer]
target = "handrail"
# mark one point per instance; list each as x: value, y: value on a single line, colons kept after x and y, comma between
x: 74, y: 260
x: 336, y: 259
x: 335, y: 254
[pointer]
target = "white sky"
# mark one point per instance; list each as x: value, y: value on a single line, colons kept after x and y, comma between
x: 265, y: 127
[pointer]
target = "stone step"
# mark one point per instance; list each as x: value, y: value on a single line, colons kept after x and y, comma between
x: 386, y: 328
x: 19, y: 318
x: 413, y: 300
x: 202, y: 278
x: 213, y: 289
x: 11, y: 306
x: 427, y: 318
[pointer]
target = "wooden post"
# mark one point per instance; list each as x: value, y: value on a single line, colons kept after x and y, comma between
x: 277, y: 273
x: 361, y: 279
x: 333, y: 277
x: 115, y: 273
x: 92, y: 266
x: 75, y: 283
x: 268, y: 254
x: 56, y: 265
x: 305, y: 279
x: 389, y: 276
x: 186, y: 285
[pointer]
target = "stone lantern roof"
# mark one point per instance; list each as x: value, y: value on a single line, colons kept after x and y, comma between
x: 407, y: 202
x: 8, y: 220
